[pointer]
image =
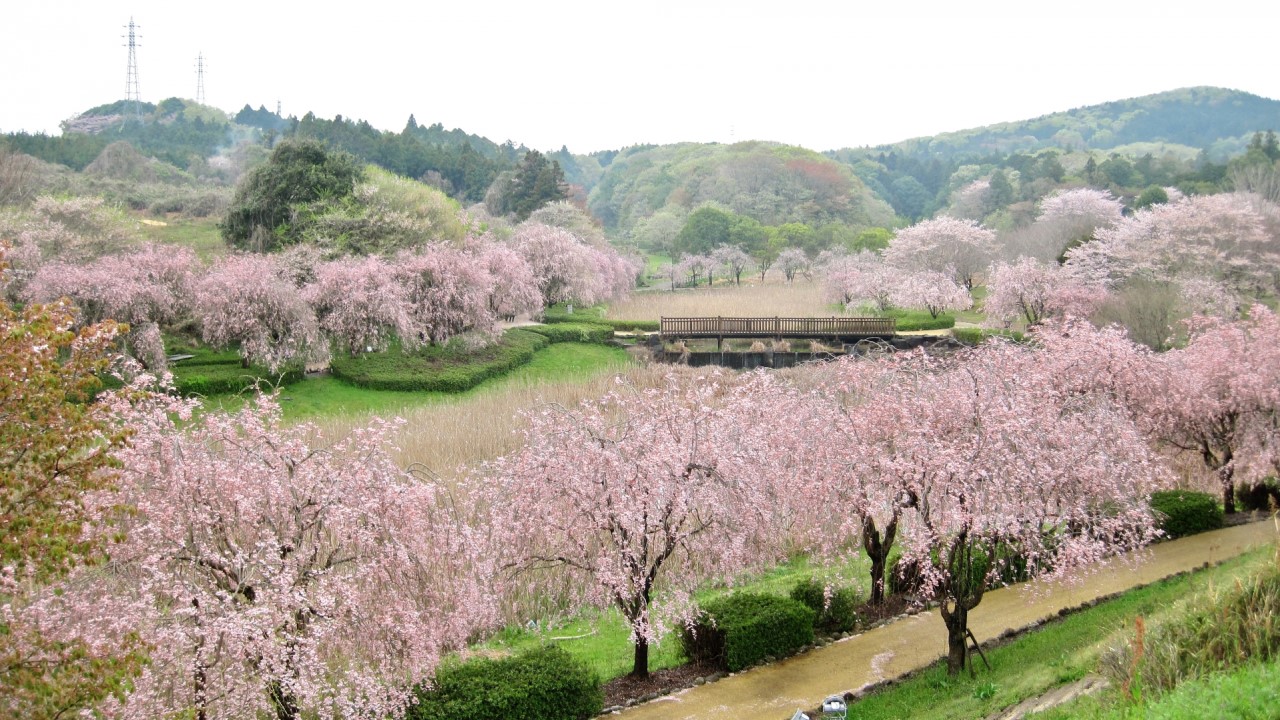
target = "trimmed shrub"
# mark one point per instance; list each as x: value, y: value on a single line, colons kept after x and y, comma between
x: 593, y: 315
x: 223, y: 378
x: 450, y: 369
x: 742, y: 629
x: 837, y: 614
x: 1186, y: 512
x: 1260, y: 495
x: 543, y: 684
x: 221, y: 372
x: 574, y: 332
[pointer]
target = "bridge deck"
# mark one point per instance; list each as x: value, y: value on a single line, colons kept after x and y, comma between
x: 776, y: 327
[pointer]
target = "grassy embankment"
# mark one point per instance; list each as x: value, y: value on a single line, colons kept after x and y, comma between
x: 1059, y: 653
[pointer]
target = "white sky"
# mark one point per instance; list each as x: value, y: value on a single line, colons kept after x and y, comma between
x: 599, y: 75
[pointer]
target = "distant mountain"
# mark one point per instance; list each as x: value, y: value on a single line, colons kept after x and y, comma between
x: 1216, y: 120
x: 771, y: 183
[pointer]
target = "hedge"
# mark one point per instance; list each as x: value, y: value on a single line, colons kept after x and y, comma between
x: 834, y: 614
x: 594, y: 315
x: 436, y: 369
x: 225, y: 378
x: 542, y: 684
x: 574, y: 332
x: 743, y: 629
x: 216, y: 372
x: 1186, y: 512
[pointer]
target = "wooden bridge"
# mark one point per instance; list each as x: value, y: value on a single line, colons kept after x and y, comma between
x: 837, y: 328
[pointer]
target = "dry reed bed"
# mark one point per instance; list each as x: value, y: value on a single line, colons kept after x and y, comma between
x: 802, y: 298
x: 469, y: 430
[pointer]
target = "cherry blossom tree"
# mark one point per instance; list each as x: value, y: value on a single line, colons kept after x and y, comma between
x: 1033, y: 291
x: 147, y: 287
x: 863, y: 276
x: 733, y: 260
x: 849, y: 425
x: 792, y: 261
x: 514, y: 290
x: 1214, y: 397
x: 971, y: 201
x: 1215, y: 236
x: 244, y: 299
x: 632, y: 495
x: 1077, y: 212
x: 1066, y: 218
x: 1009, y: 473
x: 961, y: 248
x: 359, y: 304
x: 563, y: 264
x: 274, y: 573
x: 693, y: 266
x: 448, y: 292
x: 933, y: 291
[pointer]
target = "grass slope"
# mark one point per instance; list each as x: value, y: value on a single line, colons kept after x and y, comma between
x: 1061, y: 652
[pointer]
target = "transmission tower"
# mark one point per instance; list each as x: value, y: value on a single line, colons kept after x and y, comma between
x: 131, y: 79
x: 200, y: 78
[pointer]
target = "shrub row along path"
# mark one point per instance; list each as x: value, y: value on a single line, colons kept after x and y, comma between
x: 774, y: 692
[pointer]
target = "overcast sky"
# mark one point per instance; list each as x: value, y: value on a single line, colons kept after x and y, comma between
x: 600, y: 75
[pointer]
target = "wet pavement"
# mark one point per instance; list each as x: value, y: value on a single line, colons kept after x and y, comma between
x: 775, y: 692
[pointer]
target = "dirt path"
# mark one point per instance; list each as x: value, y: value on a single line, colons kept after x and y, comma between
x: 776, y: 691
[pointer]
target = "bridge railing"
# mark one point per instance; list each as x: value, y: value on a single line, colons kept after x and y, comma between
x: 728, y: 327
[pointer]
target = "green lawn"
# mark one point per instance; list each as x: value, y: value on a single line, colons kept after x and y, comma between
x: 199, y: 234
x: 325, y: 396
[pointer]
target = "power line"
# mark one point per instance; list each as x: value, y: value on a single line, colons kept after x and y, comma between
x: 131, y: 91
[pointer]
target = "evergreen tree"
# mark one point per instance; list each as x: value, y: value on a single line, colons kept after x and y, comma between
x: 537, y: 182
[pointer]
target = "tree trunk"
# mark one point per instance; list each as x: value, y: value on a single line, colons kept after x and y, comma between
x: 285, y: 703
x: 957, y: 639
x: 201, y: 690
x: 877, y: 547
x: 640, y: 668
x: 1227, y: 478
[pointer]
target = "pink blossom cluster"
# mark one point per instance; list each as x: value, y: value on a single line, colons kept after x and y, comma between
x: 293, y: 305
x: 570, y: 270
x: 271, y: 571
x: 961, y: 248
x: 1223, y: 237
x: 865, y: 277
x: 1033, y: 291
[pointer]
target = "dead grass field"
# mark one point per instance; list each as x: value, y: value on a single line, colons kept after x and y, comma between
x: 802, y: 298
x: 447, y: 436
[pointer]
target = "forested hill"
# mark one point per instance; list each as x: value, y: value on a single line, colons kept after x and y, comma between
x: 1216, y: 120
x: 771, y: 183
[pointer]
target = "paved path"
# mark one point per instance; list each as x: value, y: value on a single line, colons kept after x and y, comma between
x: 774, y: 692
